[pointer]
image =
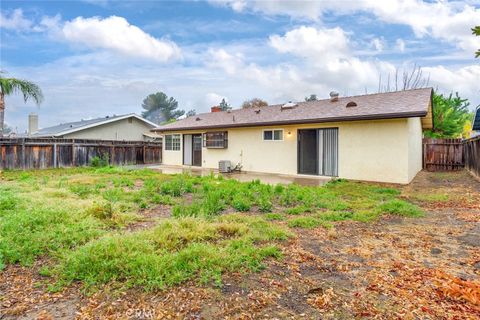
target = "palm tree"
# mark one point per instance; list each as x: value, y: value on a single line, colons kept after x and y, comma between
x: 9, y: 86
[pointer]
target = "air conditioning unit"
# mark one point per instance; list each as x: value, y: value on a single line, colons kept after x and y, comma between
x: 225, y: 166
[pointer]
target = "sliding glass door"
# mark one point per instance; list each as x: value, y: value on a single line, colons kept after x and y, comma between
x: 192, y: 150
x: 318, y: 151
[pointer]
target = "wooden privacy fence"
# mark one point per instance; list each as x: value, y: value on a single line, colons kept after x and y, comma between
x: 26, y: 153
x: 472, y: 156
x: 443, y: 154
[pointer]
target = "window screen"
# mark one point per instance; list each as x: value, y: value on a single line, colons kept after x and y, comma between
x: 267, y: 135
x: 273, y: 135
x: 218, y: 140
x: 172, y: 142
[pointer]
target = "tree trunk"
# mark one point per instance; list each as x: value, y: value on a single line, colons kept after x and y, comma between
x: 2, y: 113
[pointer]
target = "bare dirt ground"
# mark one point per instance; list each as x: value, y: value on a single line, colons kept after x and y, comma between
x: 395, y: 268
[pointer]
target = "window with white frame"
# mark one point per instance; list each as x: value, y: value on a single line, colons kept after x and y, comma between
x: 172, y: 142
x: 273, y: 135
x: 215, y: 140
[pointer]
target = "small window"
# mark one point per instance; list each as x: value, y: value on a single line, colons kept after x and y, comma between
x: 130, y: 120
x: 172, y: 142
x: 273, y: 135
x: 268, y: 135
x: 215, y: 140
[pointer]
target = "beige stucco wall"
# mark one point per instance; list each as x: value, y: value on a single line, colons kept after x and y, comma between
x: 380, y: 150
x: 118, y: 130
x: 415, y: 148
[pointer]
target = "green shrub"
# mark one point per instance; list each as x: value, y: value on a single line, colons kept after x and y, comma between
x: 401, y: 208
x: 177, y: 186
x: 212, y: 204
x: 241, y: 203
x: 265, y: 204
x: 279, y: 188
x: 99, y: 162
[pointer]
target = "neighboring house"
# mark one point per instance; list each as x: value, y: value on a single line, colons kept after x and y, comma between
x: 375, y: 137
x: 129, y: 127
x: 476, y: 121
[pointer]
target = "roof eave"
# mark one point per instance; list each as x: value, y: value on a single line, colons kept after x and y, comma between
x: 100, y: 123
x: 302, y: 121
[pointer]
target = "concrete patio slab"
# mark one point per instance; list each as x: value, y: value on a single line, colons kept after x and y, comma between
x: 268, y: 178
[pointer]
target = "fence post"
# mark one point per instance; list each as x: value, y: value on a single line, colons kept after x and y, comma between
x: 73, y: 153
x: 55, y: 155
x: 112, y: 152
x: 24, y: 164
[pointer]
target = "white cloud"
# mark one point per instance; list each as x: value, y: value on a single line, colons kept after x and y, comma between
x: 213, y: 99
x: 378, y: 44
x: 447, y: 21
x: 113, y: 33
x: 308, y: 41
x: 309, y: 9
x: 463, y: 80
x: 15, y: 21
x: 442, y: 20
x: 326, y: 63
x: 224, y: 60
x: 116, y: 34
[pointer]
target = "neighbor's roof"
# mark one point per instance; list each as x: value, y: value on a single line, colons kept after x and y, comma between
x: 400, y: 104
x: 70, y: 127
x: 476, y: 120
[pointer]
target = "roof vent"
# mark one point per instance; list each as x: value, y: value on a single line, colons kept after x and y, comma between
x: 288, y: 105
x: 333, y: 96
x: 197, y: 119
x: 351, y: 104
x: 257, y: 111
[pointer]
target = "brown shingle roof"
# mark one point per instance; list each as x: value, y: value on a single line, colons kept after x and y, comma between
x: 400, y: 104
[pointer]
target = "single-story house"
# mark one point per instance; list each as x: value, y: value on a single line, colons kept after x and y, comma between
x: 372, y: 137
x: 128, y: 127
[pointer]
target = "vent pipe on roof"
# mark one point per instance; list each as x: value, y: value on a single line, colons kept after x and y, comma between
x: 32, y: 123
x: 351, y: 104
x: 288, y: 105
x: 333, y: 96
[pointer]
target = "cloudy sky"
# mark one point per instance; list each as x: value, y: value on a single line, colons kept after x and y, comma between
x: 96, y: 58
